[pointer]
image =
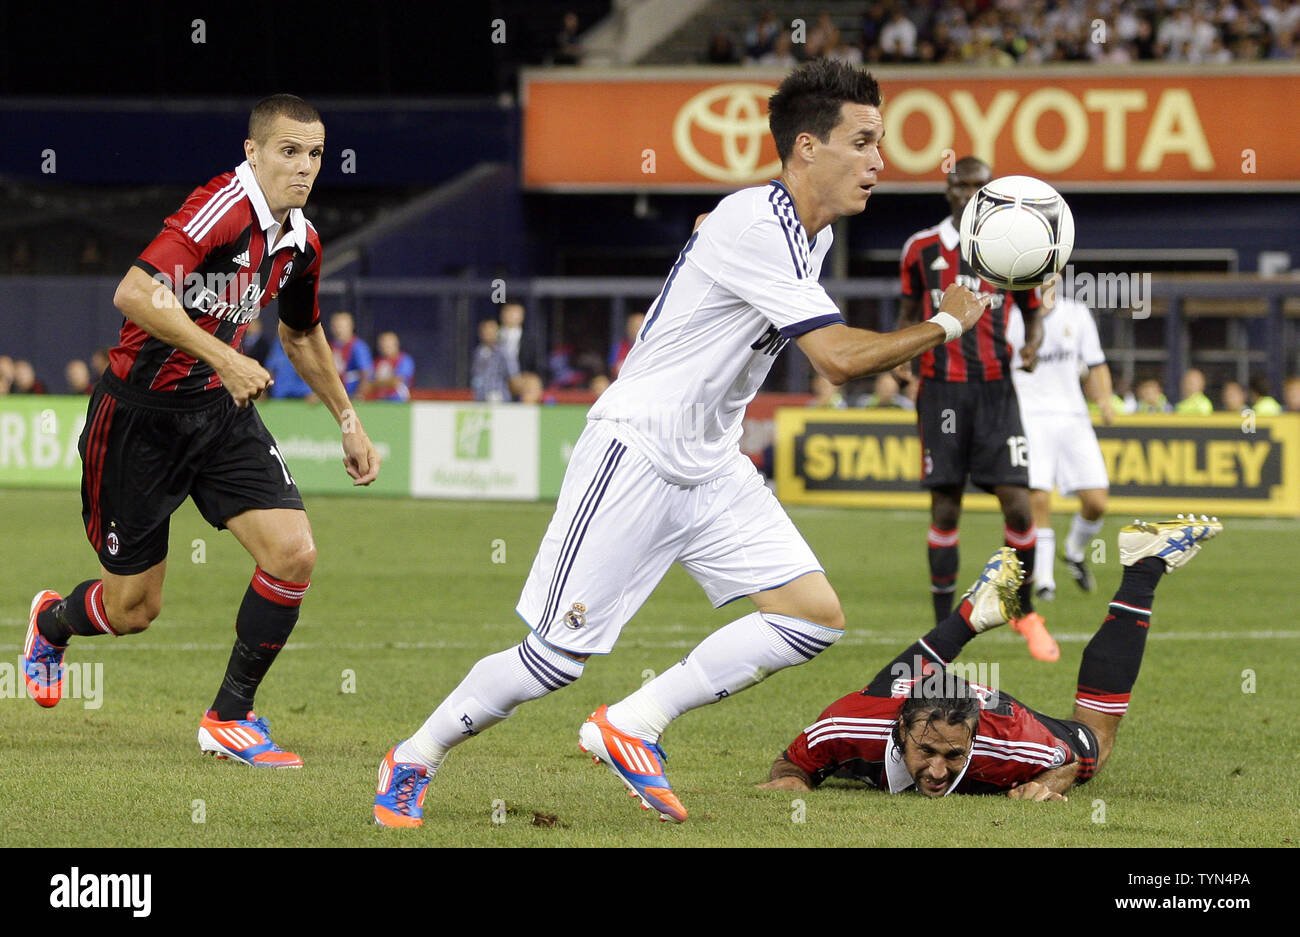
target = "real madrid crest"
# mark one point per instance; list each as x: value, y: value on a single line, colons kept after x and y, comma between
x: 575, y: 617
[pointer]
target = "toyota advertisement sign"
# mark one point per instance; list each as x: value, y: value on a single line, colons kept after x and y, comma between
x: 705, y: 130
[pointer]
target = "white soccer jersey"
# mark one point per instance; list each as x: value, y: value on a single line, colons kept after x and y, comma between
x: 1070, y: 346
x: 745, y: 283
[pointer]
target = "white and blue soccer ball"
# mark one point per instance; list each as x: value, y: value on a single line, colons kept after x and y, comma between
x: 1016, y: 232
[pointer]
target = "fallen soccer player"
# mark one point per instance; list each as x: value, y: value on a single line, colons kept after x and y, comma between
x: 917, y: 726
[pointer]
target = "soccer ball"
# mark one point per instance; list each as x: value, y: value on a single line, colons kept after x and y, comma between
x: 1016, y: 232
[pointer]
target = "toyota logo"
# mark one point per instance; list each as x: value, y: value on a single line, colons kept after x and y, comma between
x: 740, y: 124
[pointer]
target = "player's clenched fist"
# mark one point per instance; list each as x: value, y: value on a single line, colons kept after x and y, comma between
x: 245, y: 379
x: 965, y: 306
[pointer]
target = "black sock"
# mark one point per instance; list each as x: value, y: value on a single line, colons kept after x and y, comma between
x: 1025, y: 552
x: 266, y: 618
x: 949, y: 636
x: 1114, y: 655
x: 62, y: 619
x: 944, y: 560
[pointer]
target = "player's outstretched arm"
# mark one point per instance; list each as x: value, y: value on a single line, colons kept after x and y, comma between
x: 840, y: 353
x: 311, y: 357
x: 152, y: 306
x: 787, y: 776
x: 1050, y: 785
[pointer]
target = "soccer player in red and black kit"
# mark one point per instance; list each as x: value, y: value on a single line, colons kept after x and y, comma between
x: 968, y: 416
x: 172, y: 418
x: 916, y: 726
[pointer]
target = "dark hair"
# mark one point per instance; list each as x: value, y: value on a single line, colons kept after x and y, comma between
x: 969, y: 164
x: 958, y: 710
x: 809, y: 100
x: 279, y: 105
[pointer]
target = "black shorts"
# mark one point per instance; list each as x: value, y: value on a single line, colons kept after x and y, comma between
x: 142, y: 456
x: 971, y: 429
x: 1080, y: 739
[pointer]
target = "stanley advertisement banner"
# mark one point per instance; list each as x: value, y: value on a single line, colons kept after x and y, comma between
x: 1224, y: 464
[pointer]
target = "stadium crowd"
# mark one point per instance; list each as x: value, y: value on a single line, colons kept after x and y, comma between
x: 1010, y: 32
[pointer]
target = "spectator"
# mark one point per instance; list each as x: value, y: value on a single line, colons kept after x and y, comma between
x: 521, y: 349
x: 288, y: 384
x: 1260, y: 401
x: 26, y: 381
x: 721, y: 50
x: 568, y: 47
x: 1291, y: 395
x: 898, y: 38
x: 599, y: 383
x: 77, y: 374
x: 257, y: 343
x: 351, y: 354
x: 781, y: 54
x: 394, y: 370
x: 1194, y: 402
x: 98, y: 363
x: 490, y: 372
x: 819, y: 35
x: 762, y: 36
x: 528, y: 388
x: 21, y: 261
x: 887, y: 395
x: 91, y: 257
x: 1233, y: 397
x: 1124, y: 391
x: 1150, y: 399
x: 6, y: 375
x: 826, y: 394
x: 617, y: 355
x: 838, y: 50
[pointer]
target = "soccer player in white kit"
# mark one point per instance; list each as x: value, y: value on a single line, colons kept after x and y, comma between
x: 657, y: 477
x: 1063, y: 450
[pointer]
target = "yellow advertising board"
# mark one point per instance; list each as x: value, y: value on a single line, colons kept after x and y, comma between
x: 1157, y: 464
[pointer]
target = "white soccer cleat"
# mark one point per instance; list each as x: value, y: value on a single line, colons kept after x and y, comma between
x: 995, y: 597
x: 1175, y: 541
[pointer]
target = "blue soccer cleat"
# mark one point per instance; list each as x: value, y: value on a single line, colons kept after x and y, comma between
x: 638, y: 764
x: 42, y: 661
x: 399, y: 798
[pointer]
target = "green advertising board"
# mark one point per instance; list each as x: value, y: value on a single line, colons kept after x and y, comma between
x: 312, y: 446
x: 561, y: 425
x: 38, y: 441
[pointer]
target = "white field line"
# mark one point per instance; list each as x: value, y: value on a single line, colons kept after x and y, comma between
x: 632, y: 640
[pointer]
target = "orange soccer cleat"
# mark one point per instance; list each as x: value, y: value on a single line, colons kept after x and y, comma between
x: 244, y: 740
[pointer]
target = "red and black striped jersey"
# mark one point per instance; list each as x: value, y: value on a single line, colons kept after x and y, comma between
x: 931, y: 263
x: 217, y: 256
x: 853, y: 737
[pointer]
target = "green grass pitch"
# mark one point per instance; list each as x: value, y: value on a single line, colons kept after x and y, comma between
x: 407, y: 595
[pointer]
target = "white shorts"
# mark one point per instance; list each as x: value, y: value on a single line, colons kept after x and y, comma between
x: 619, y: 526
x: 1063, y: 453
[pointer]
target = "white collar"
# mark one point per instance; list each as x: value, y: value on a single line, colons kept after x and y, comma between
x: 948, y: 234
x: 899, y: 779
x: 297, y: 232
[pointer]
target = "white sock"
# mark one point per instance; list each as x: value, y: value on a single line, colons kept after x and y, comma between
x: 731, y: 659
x: 488, y: 694
x: 1045, y: 559
x: 1081, y: 534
